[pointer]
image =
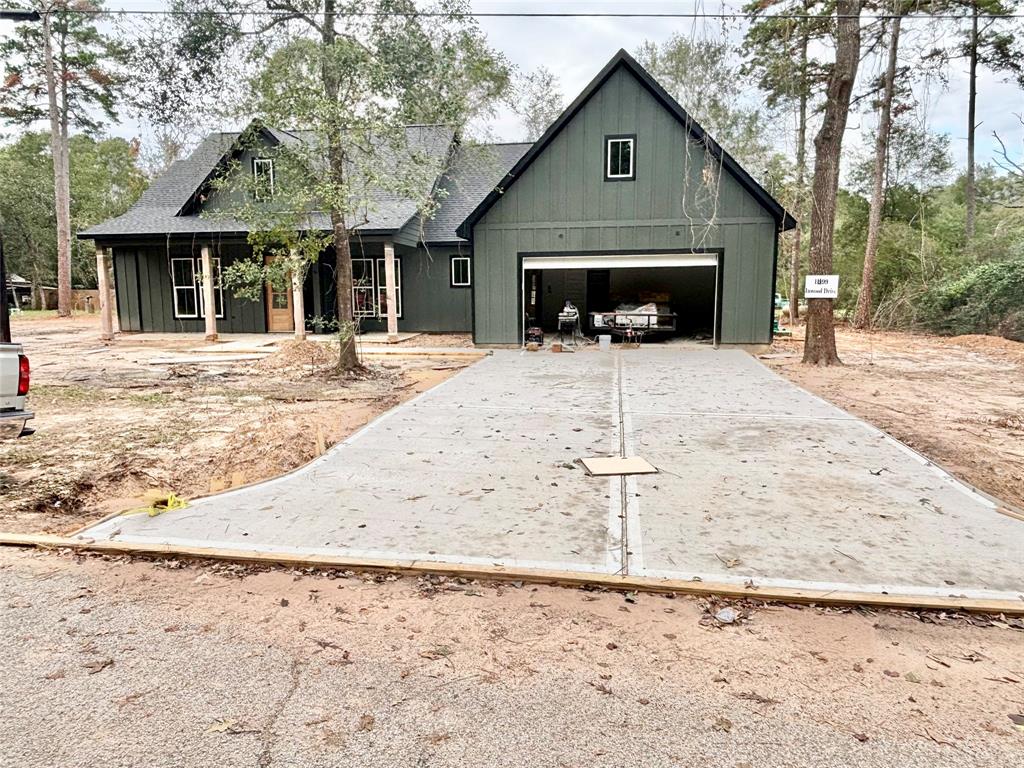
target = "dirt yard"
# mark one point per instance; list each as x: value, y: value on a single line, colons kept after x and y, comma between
x: 959, y: 401
x: 112, y: 426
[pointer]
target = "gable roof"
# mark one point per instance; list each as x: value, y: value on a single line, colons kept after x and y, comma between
x: 167, y: 206
x: 623, y: 60
x: 475, y: 170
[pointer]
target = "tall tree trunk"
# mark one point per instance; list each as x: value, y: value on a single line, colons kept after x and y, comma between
x: 61, y: 183
x: 970, y: 193
x: 801, y: 181
x: 862, y: 317
x: 347, y: 358
x: 37, y: 289
x: 820, y: 342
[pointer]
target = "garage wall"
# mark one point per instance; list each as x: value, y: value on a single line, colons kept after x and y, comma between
x: 562, y: 204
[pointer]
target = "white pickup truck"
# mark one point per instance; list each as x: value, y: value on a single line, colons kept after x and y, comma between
x: 14, y: 375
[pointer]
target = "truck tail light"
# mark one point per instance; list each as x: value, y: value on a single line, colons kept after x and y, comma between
x: 23, y: 376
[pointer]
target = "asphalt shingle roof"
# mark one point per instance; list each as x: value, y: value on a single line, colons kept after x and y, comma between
x: 157, y: 210
x: 475, y: 170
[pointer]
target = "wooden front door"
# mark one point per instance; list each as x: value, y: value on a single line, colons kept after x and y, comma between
x: 280, y: 318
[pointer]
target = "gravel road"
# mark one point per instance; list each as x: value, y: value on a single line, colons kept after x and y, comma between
x: 110, y: 662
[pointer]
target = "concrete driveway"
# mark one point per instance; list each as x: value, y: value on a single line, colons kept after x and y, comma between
x: 760, y: 482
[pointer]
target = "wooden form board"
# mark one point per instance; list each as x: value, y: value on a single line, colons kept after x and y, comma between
x: 533, y: 575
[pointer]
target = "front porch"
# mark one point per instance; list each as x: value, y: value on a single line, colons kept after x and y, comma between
x: 166, y: 287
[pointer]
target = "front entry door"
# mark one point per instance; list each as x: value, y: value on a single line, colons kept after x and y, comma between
x: 280, y: 318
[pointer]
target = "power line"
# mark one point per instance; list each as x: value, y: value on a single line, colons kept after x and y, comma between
x: 731, y: 15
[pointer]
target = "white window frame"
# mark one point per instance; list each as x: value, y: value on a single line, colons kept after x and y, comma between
x: 469, y: 272
x: 256, y: 163
x: 196, y: 287
x: 376, y: 287
x: 218, y: 286
x: 363, y: 287
x: 382, y: 287
x: 186, y: 288
x: 609, y: 141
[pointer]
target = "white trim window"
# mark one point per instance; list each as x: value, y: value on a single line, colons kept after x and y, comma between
x: 462, y: 272
x: 183, y: 278
x: 363, y: 293
x: 262, y: 178
x: 218, y: 288
x: 382, y: 292
x: 369, y: 287
x: 620, y: 157
x: 187, y: 280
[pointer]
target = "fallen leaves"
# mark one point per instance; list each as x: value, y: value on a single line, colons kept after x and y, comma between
x: 440, y: 652
x: 223, y: 725
x: 729, y: 562
x: 756, y: 697
x: 98, y: 666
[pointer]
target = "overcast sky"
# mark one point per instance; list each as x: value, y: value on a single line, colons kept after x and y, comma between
x: 576, y: 48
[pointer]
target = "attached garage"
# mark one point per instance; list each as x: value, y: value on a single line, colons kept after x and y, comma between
x: 626, y: 201
x: 674, y: 294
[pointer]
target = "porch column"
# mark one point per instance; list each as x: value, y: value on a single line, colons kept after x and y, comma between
x: 391, y: 295
x: 112, y: 292
x: 298, y: 308
x: 209, y: 302
x: 103, y: 283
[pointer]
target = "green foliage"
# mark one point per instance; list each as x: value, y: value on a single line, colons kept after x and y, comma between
x: 774, y: 43
x: 85, y: 61
x: 179, y: 67
x: 987, y: 299
x: 922, y: 255
x: 105, y: 181
x: 339, y: 82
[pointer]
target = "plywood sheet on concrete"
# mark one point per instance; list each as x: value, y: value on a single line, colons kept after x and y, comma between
x: 602, y: 466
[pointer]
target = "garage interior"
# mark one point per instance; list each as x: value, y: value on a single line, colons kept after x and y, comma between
x: 680, y: 289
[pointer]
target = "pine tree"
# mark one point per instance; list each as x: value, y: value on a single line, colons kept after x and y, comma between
x: 60, y: 70
x: 778, y: 54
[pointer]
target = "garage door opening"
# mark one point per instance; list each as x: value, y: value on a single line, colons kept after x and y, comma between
x: 661, y: 296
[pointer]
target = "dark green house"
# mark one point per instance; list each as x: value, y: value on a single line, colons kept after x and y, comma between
x: 624, y: 201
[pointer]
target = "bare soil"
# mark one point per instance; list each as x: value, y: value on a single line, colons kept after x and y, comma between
x: 959, y: 401
x: 113, y: 428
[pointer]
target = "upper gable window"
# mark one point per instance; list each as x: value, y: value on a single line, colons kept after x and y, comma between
x: 262, y: 178
x: 620, y: 158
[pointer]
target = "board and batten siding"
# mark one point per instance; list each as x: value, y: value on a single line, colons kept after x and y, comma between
x: 429, y: 302
x: 145, y: 296
x: 681, y: 198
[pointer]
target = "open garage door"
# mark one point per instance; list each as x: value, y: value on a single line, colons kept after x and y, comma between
x: 683, y: 289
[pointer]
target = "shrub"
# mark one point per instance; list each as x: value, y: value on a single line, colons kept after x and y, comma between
x: 987, y: 299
